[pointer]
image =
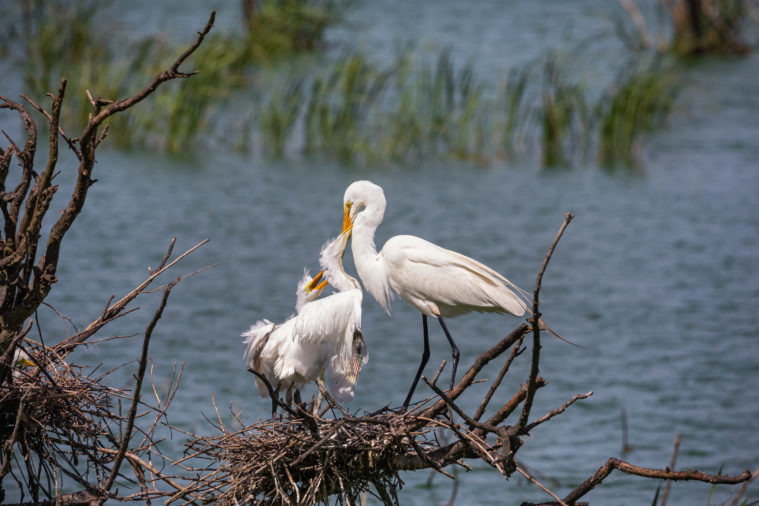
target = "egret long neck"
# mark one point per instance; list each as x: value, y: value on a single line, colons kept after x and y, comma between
x: 369, y: 264
x: 337, y: 276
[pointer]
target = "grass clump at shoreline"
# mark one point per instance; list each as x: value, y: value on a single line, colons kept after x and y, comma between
x: 349, y: 109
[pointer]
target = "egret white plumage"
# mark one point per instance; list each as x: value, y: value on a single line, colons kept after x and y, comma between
x: 325, y: 334
x: 266, y: 341
x: 436, y: 281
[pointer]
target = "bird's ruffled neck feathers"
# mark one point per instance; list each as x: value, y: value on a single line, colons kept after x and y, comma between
x: 330, y: 259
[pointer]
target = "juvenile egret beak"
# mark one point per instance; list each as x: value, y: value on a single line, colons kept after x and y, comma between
x: 314, y: 284
x: 347, y: 223
x: 24, y: 362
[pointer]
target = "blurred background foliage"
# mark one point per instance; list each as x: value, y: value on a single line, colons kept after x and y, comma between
x: 268, y: 89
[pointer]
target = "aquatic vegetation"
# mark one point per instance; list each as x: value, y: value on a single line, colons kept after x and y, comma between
x: 280, y: 28
x: 339, y: 108
x: 54, y: 39
x: 563, y: 115
x: 60, y: 38
x: 278, y: 120
x: 354, y: 111
x: 349, y: 108
x: 513, y: 97
x: 638, y: 101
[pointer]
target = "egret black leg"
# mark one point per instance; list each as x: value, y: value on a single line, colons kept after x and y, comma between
x: 274, y: 400
x: 425, y: 358
x: 454, y: 350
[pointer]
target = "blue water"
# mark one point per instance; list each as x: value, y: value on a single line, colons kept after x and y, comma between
x: 656, y: 277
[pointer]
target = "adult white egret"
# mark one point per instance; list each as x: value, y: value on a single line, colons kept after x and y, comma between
x: 436, y: 281
x: 325, y: 334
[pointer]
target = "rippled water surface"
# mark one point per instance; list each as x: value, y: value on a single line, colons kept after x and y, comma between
x: 656, y: 277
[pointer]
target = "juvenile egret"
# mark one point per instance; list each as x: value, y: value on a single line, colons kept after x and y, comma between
x: 20, y: 361
x: 325, y: 334
x: 436, y: 281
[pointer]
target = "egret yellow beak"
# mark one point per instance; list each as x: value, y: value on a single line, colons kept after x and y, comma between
x: 25, y: 362
x: 347, y: 223
x: 314, y: 284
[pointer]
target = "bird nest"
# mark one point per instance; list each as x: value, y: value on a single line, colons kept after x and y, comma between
x: 308, y: 459
x: 54, y: 415
x: 304, y: 457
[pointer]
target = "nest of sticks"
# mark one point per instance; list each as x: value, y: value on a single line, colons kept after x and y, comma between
x: 306, y: 457
x: 56, y: 417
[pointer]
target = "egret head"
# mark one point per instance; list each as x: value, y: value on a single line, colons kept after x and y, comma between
x: 309, y: 289
x: 362, y: 194
x: 21, y: 359
x: 315, y: 286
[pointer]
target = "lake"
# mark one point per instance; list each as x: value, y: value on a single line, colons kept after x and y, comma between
x: 656, y: 277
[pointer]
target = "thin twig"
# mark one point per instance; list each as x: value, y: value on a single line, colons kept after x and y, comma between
x: 668, y: 485
x: 515, y: 351
x: 542, y: 487
x: 137, y: 389
x: 558, y: 410
x: 535, y: 321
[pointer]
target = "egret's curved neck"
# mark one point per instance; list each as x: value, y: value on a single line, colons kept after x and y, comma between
x: 369, y: 264
x: 337, y: 277
x: 331, y: 260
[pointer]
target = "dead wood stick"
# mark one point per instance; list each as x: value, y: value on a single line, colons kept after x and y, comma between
x: 126, y: 438
x: 532, y: 383
x: 540, y: 485
x: 557, y: 411
x: 323, y: 440
x: 663, y: 474
x: 468, y: 419
x: 480, y: 362
x: 504, y: 369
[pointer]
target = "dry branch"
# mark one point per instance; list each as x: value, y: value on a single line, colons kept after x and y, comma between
x: 56, y: 420
x: 663, y: 474
x: 25, y: 278
x: 61, y: 415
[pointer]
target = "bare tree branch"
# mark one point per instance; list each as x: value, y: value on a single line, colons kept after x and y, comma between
x: 663, y: 474
x: 531, y: 388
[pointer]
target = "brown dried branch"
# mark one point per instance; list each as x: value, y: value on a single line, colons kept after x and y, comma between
x: 114, y: 311
x: 535, y: 322
x: 516, y: 350
x: 136, y: 394
x: 479, y: 363
x: 71, y: 142
x: 28, y: 279
x: 662, y: 474
x: 557, y: 411
x: 69, y: 417
x: 527, y: 475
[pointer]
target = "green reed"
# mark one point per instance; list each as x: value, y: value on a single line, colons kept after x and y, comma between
x: 514, y: 115
x: 355, y: 111
x: 281, y: 28
x: 278, y: 120
x: 638, y: 101
x: 564, y: 117
x: 350, y: 109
